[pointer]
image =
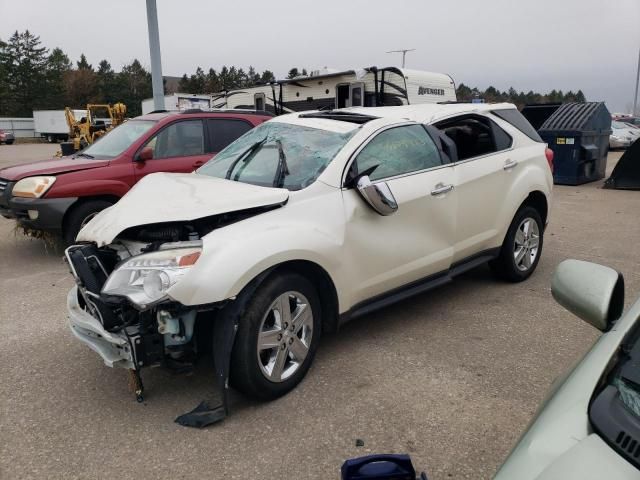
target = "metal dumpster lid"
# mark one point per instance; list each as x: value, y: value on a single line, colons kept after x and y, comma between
x: 574, y: 116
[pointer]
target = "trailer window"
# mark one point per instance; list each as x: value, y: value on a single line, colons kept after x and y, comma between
x: 258, y: 100
x: 356, y: 95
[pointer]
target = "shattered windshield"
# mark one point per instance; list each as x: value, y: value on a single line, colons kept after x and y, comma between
x: 626, y: 377
x: 277, y: 154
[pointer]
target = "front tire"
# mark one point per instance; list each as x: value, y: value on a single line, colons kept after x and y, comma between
x: 80, y: 216
x: 522, y: 246
x: 277, y: 337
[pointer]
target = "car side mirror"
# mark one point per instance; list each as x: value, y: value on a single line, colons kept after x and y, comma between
x: 593, y: 292
x: 145, y: 154
x: 377, y: 195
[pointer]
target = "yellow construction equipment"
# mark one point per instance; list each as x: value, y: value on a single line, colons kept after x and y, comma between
x: 86, y: 130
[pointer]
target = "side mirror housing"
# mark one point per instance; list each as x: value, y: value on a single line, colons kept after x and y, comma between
x: 377, y: 195
x: 593, y: 292
x: 145, y: 154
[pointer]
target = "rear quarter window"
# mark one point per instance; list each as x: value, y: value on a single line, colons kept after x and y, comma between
x: 515, y: 118
x: 223, y: 131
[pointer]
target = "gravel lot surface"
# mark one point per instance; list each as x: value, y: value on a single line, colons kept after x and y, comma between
x: 451, y: 377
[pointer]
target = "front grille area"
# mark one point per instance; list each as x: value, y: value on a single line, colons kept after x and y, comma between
x: 3, y: 185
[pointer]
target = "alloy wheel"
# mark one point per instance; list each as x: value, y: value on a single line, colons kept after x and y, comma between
x: 526, y: 244
x: 284, y: 336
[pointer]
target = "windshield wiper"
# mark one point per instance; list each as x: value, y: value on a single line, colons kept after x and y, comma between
x: 244, y: 154
x: 282, y: 169
x: 84, y: 155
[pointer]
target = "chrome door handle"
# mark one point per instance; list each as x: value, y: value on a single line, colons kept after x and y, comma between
x: 509, y: 164
x: 441, y: 188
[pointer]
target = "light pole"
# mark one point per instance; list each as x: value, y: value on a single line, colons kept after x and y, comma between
x: 403, y: 52
x: 154, y: 50
x: 635, y: 95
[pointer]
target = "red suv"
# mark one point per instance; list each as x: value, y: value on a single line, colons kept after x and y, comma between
x: 62, y: 194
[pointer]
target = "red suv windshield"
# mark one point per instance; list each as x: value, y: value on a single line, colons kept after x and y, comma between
x: 118, y: 140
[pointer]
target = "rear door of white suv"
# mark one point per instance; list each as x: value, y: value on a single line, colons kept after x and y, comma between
x: 483, y: 171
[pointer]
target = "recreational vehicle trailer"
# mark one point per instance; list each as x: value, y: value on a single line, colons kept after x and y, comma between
x: 369, y: 87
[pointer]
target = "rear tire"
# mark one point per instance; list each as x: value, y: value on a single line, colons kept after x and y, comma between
x: 79, y: 216
x: 273, y: 351
x: 522, y: 246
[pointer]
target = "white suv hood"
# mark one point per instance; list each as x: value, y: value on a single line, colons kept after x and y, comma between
x: 170, y: 197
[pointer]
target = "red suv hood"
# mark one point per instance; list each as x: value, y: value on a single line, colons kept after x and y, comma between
x: 50, y: 167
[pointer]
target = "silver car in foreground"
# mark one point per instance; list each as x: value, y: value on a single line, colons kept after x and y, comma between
x: 588, y: 427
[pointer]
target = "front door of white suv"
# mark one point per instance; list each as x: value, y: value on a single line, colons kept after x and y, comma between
x: 483, y: 172
x: 387, y: 252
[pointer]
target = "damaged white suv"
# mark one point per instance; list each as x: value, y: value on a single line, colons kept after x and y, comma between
x: 304, y: 222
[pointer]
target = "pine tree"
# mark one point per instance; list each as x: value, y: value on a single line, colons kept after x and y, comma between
x: 24, y: 61
x: 106, y: 84
x: 58, y: 64
x: 267, y: 77
x: 83, y: 64
x: 135, y: 84
x: 4, y: 84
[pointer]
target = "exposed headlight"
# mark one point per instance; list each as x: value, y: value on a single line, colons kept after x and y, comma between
x: 32, y: 187
x: 145, y: 279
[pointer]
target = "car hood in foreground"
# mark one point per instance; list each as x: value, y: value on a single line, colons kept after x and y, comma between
x: 590, y: 459
x: 174, y: 197
x: 52, y: 166
x: 562, y: 423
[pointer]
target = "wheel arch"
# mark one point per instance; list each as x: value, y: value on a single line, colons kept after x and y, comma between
x: 82, y: 200
x: 321, y: 279
x: 537, y: 200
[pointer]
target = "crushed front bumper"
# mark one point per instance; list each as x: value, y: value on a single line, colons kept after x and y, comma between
x: 114, y: 348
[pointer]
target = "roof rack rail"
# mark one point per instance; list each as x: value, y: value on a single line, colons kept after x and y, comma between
x: 227, y: 110
x: 351, y: 117
x: 243, y: 110
x: 158, y: 111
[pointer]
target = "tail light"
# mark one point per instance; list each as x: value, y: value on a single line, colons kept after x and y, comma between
x: 549, y: 154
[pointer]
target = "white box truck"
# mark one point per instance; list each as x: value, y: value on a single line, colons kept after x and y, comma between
x: 52, y: 124
x: 179, y: 102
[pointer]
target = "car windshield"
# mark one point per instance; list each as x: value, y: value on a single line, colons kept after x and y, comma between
x: 117, y: 140
x: 626, y: 377
x: 277, y: 154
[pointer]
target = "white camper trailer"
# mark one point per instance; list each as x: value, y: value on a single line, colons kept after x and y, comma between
x: 179, y: 102
x: 324, y: 90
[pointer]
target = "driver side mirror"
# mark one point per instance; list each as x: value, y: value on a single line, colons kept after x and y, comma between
x: 145, y: 154
x: 590, y: 291
x: 377, y: 195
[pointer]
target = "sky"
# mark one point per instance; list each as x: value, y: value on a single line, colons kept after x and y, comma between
x: 536, y: 45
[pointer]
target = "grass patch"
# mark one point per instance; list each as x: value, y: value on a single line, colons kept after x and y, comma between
x: 52, y: 243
